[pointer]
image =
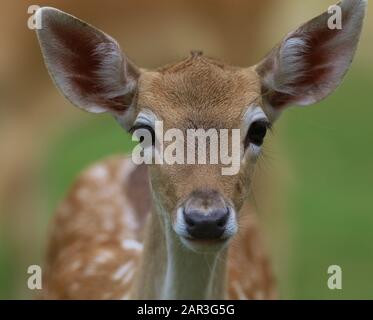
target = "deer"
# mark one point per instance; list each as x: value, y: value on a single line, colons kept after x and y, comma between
x: 177, y: 231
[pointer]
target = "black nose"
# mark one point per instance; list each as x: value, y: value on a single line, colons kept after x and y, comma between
x: 206, y: 225
x: 206, y: 215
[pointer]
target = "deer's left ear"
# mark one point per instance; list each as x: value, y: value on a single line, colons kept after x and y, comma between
x: 311, y: 61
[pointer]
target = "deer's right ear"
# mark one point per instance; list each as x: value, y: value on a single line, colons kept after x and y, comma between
x: 86, y: 64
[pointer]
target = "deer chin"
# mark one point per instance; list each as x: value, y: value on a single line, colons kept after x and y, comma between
x: 204, y: 246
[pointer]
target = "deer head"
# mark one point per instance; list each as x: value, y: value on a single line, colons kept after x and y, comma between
x: 201, y: 205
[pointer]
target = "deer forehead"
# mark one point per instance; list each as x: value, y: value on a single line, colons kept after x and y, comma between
x: 199, y: 92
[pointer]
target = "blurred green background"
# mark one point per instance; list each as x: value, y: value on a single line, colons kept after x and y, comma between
x: 317, y: 210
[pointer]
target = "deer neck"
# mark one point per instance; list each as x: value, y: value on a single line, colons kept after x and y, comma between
x: 169, y: 270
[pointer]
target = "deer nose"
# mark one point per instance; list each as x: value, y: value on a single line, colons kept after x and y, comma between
x: 211, y: 225
x: 206, y: 216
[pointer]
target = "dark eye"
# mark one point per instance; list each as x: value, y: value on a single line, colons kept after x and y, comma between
x: 144, y: 127
x: 256, y: 133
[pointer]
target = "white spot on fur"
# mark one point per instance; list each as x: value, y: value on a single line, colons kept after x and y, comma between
x: 125, y: 297
x: 122, y: 270
x: 104, y: 256
x: 99, y: 172
x: 129, y: 218
x: 75, y: 265
x: 239, y: 291
x: 127, y: 278
x: 130, y: 244
x: 90, y: 270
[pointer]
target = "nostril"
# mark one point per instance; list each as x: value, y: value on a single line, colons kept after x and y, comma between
x: 189, y: 219
x: 221, y: 221
x: 190, y: 222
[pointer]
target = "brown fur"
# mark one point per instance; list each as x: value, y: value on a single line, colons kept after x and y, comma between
x: 197, y: 93
x: 96, y: 246
x: 79, y: 237
x: 86, y: 253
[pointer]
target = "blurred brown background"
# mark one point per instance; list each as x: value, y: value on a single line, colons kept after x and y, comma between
x: 44, y: 141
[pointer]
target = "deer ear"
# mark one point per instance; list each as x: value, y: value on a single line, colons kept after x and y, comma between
x: 311, y: 61
x: 86, y: 64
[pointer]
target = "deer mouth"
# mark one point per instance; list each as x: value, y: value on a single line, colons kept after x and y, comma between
x: 204, y: 246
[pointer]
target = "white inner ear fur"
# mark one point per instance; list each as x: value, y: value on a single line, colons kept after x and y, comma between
x: 291, y: 66
x: 113, y: 70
